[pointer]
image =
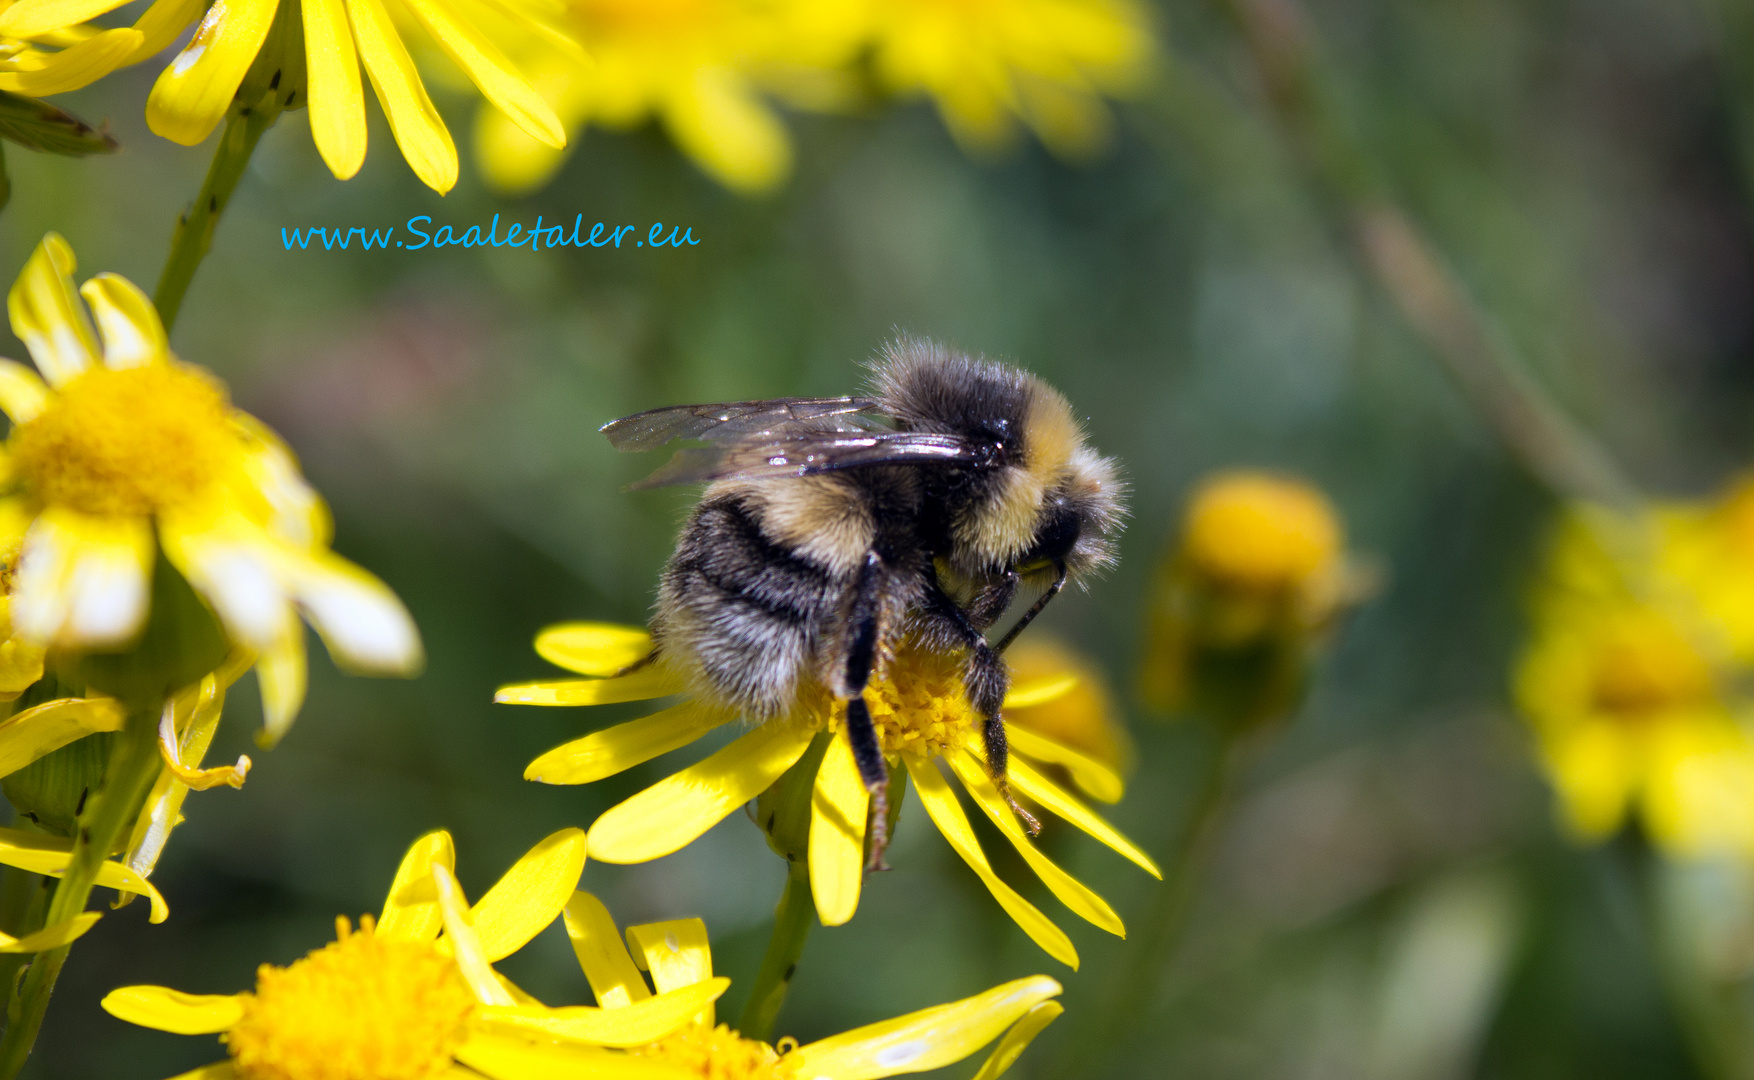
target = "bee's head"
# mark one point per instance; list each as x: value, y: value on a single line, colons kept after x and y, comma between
x: 1052, y: 501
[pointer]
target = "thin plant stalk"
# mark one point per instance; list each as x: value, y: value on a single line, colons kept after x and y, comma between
x: 194, y: 233
x: 101, y: 826
x: 791, y: 929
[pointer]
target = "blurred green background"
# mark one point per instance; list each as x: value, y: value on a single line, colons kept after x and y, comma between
x: 1389, y: 899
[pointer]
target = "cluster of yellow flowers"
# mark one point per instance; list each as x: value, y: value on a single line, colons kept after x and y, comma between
x: 1633, y: 678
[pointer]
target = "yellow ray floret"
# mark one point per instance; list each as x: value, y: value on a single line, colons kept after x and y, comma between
x: 922, y: 719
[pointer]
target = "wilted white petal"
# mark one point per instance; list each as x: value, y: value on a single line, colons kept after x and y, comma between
x: 360, y: 619
x: 235, y: 576
x: 108, y: 585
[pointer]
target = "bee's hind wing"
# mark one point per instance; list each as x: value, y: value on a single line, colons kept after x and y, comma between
x: 805, y: 453
x: 729, y: 422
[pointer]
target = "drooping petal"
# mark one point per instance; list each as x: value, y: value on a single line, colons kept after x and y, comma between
x: 1022, y: 1033
x: 190, y: 97
x: 928, y: 1039
x: 298, y: 514
x: 34, y: 18
x: 490, y: 71
x: 197, y: 712
x: 716, y: 117
x: 337, y: 97
x: 1101, y: 782
x: 189, y: 773
x: 419, y: 131
x: 946, y: 812
x: 465, y: 946
x: 411, y: 910
x: 516, y: 1057
x: 615, y: 980
x: 82, y: 579
x: 641, y: 685
x: 281, y: 673
x: 42, y: 854
x: 23, y: 394
x: 174, y: 1011
x: 593, y: 648
x: 607, y: 752
x: 672, y: 813
x: 77, y: 66
x: 47, y: 316
x: 231, y: 564
x: 51, y: 937
x: 530, y: 895
x: 39, y: 589
x: 677, y: 955
x: 838, y: 808
x: 631, y: 1025
x: 360, y: 619
x: 29, y: 735
x: 1057, y: 801
x: 133, y: 335
x: 1073, y: 893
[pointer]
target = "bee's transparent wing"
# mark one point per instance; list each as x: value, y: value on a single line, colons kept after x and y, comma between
x: 808, y: 452
x: 737, y: 421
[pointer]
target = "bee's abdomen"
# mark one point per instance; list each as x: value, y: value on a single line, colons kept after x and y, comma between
x: 740, y: 613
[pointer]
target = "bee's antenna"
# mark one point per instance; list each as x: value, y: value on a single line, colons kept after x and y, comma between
x: 1034, y: 609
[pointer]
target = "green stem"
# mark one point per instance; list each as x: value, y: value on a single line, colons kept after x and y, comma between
x: 791, y: 928
x: 194, y: 234
x: 108, y: 813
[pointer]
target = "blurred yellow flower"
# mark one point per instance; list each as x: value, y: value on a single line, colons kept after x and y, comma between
x: 1259, y: 569
x: 124, y: 452
x: 1082, y: 718
x: 922, y: 718
x: 193, y: 94
x: 700, y: 67
x: 989, y: 63
x: 1705, y: 550
x: 395, y: 1000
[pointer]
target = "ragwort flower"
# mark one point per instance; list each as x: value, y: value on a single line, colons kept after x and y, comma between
x: 119, y: 452
x: 922, y: 718
x: 193, y: 94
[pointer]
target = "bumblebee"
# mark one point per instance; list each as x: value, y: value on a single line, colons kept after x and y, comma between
x: 834, y: 528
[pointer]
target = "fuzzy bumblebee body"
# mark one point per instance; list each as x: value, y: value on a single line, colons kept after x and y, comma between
x: 835, y: 528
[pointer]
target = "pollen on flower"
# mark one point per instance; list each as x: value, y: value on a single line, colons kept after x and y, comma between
x: 128, y: 441
x: 1260, y: 531
x: 362, y: 1008
x: 917, y: 702
x: 1643, y: 666
x: 718, y: 1053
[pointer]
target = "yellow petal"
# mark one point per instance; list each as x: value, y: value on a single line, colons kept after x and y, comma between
x: 234, y: 564
x: 515, y: 1057
x: 838, y: 808
x: 281, y: 673
x: 82, y: 579
x: 50, y: 937
x: 189, y: 772
x: 593, y: 648
x: 670, y: 814
x: 34, y: 18
x: 23, y: 394
x: 48, y: 317
x: 1096, y: 779
x: 197, y: 710
x: 465, y: 946
x: 132, y: 332
x: 411, y: 910
x: 29, y: 735
x: 677, y: 954
x: 717, y: 119
x: 190, y: 97
x: 512, y: 162
x: 416, y: 124
x: 1073, y: 893
x: 647, y: 682
x: 1040, y: 691
x: 161, y: 25
x: 928, y: 1039
x: 615, y: 981
x: 337, y: 97
x: 1022, y: 1033
x: 1057, y: 801
x: 633, y: 1025
x: 174, y: 1011
x: 362, y: 622
x: 607, y: 752
x: 42, y: 854
x: 946, y: 812
x: 490, y: 71
x: 77, y: 66
x: 219, y: 1070
x: 530, y: 895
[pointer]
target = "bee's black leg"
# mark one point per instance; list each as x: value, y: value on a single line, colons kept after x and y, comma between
x: 861, y: 733
x: 985, y: 679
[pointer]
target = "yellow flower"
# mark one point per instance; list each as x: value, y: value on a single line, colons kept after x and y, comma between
x: 1082, y: 718
x: 1706, y: 550
x: 119, y: 451
x: 192, y: 95
x: 1627, y: 714
x: 922, y: 718
x: 1047, y: 63
x: 393, y: 1000
x: 698, y: 66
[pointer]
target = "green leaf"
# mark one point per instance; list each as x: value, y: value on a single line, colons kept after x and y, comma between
x: 37, y: 125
